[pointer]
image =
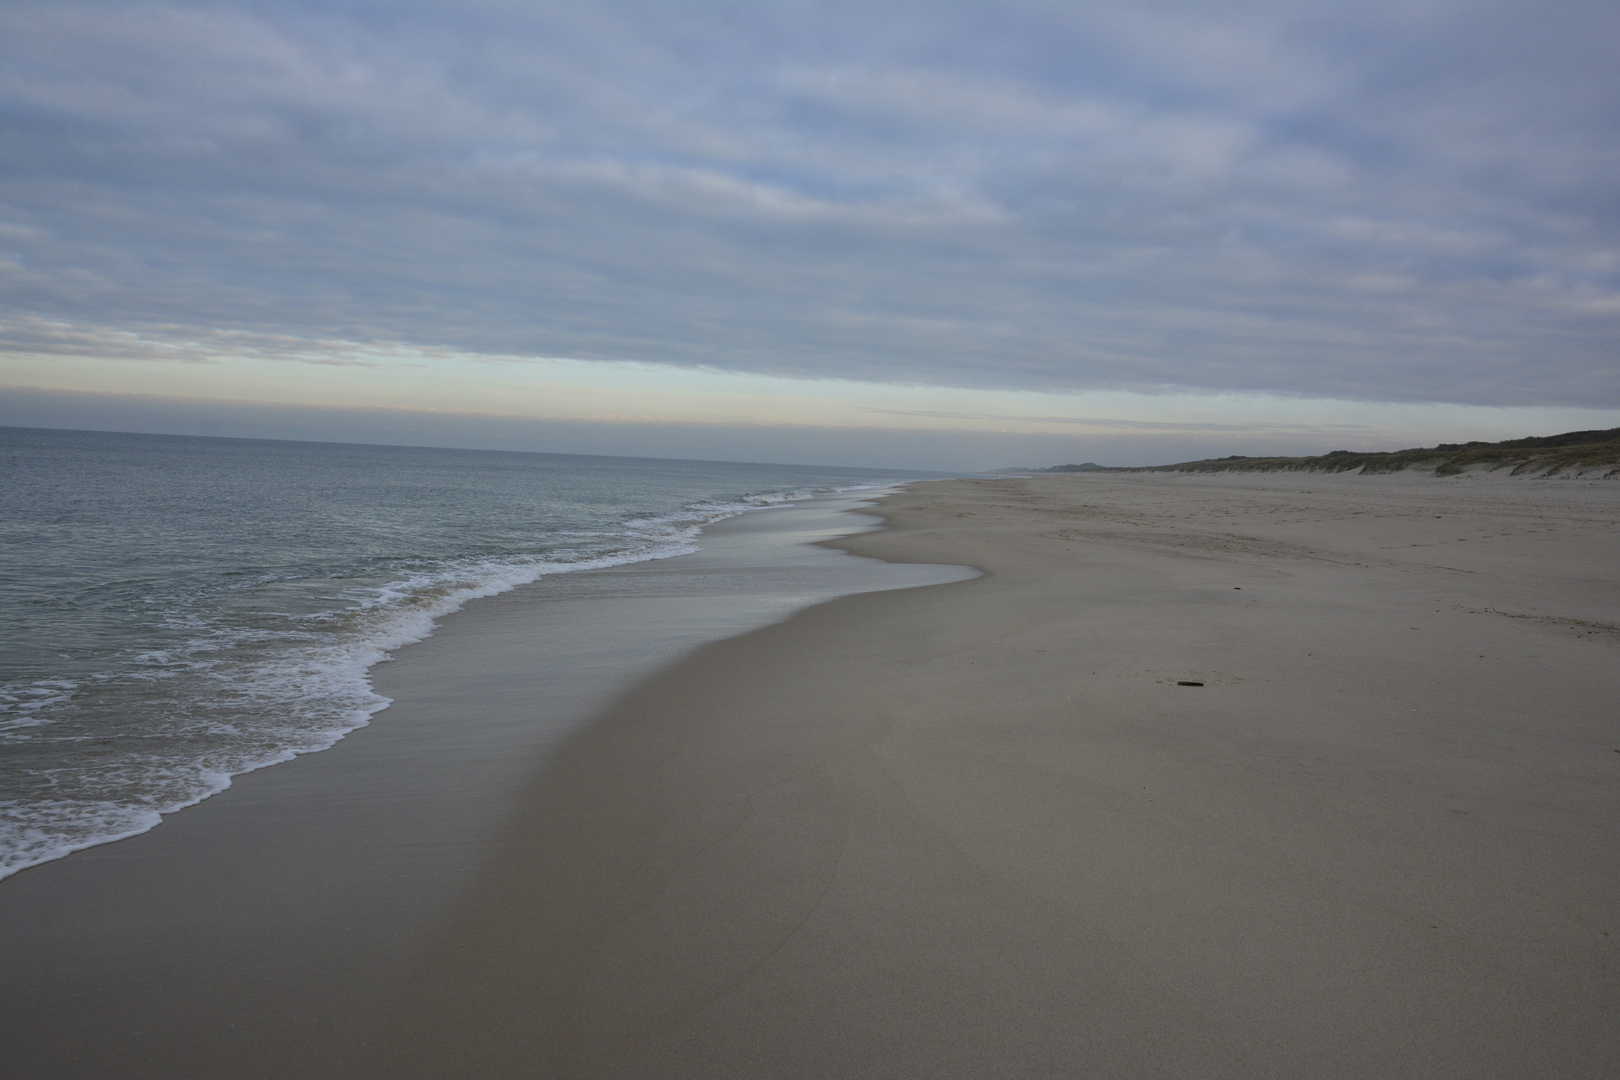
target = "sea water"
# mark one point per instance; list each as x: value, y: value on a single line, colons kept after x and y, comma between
x: 175, y: 611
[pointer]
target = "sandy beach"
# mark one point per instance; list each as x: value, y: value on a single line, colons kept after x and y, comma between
x: 962, y: 830
x: 983, y: 829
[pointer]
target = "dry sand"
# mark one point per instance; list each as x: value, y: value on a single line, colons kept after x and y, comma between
x: 979, y: 829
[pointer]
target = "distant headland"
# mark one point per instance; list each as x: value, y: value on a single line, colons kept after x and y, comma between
x: 1582, y: 452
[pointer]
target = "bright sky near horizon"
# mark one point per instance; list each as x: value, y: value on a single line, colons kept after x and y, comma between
x: 961, y: 235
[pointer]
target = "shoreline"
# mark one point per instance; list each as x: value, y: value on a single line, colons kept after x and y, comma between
x: 981, y: 830
x: 248, y: 934
x: 381, y: 702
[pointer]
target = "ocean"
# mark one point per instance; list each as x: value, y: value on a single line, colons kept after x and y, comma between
x: 181, y: 610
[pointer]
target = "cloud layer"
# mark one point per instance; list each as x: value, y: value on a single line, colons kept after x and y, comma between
x: 1412, y: 202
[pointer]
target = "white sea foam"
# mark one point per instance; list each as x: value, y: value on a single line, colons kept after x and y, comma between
x: 249, y: 696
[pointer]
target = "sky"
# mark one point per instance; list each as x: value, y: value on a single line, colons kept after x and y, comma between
x: 947, y: 235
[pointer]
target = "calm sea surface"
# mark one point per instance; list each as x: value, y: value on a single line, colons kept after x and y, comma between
x: 175, y: 611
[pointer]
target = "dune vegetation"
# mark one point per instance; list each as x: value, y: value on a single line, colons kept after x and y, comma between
x: 1578, y: 452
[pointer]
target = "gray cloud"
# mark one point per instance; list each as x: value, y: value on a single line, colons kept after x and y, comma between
x: 1405, y: 202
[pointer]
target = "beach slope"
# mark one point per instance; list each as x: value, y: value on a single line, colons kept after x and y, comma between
x: 1206, y: 776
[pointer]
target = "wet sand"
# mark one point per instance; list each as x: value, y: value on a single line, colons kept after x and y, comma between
x: 983, y: 829
x: 256, y: 934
